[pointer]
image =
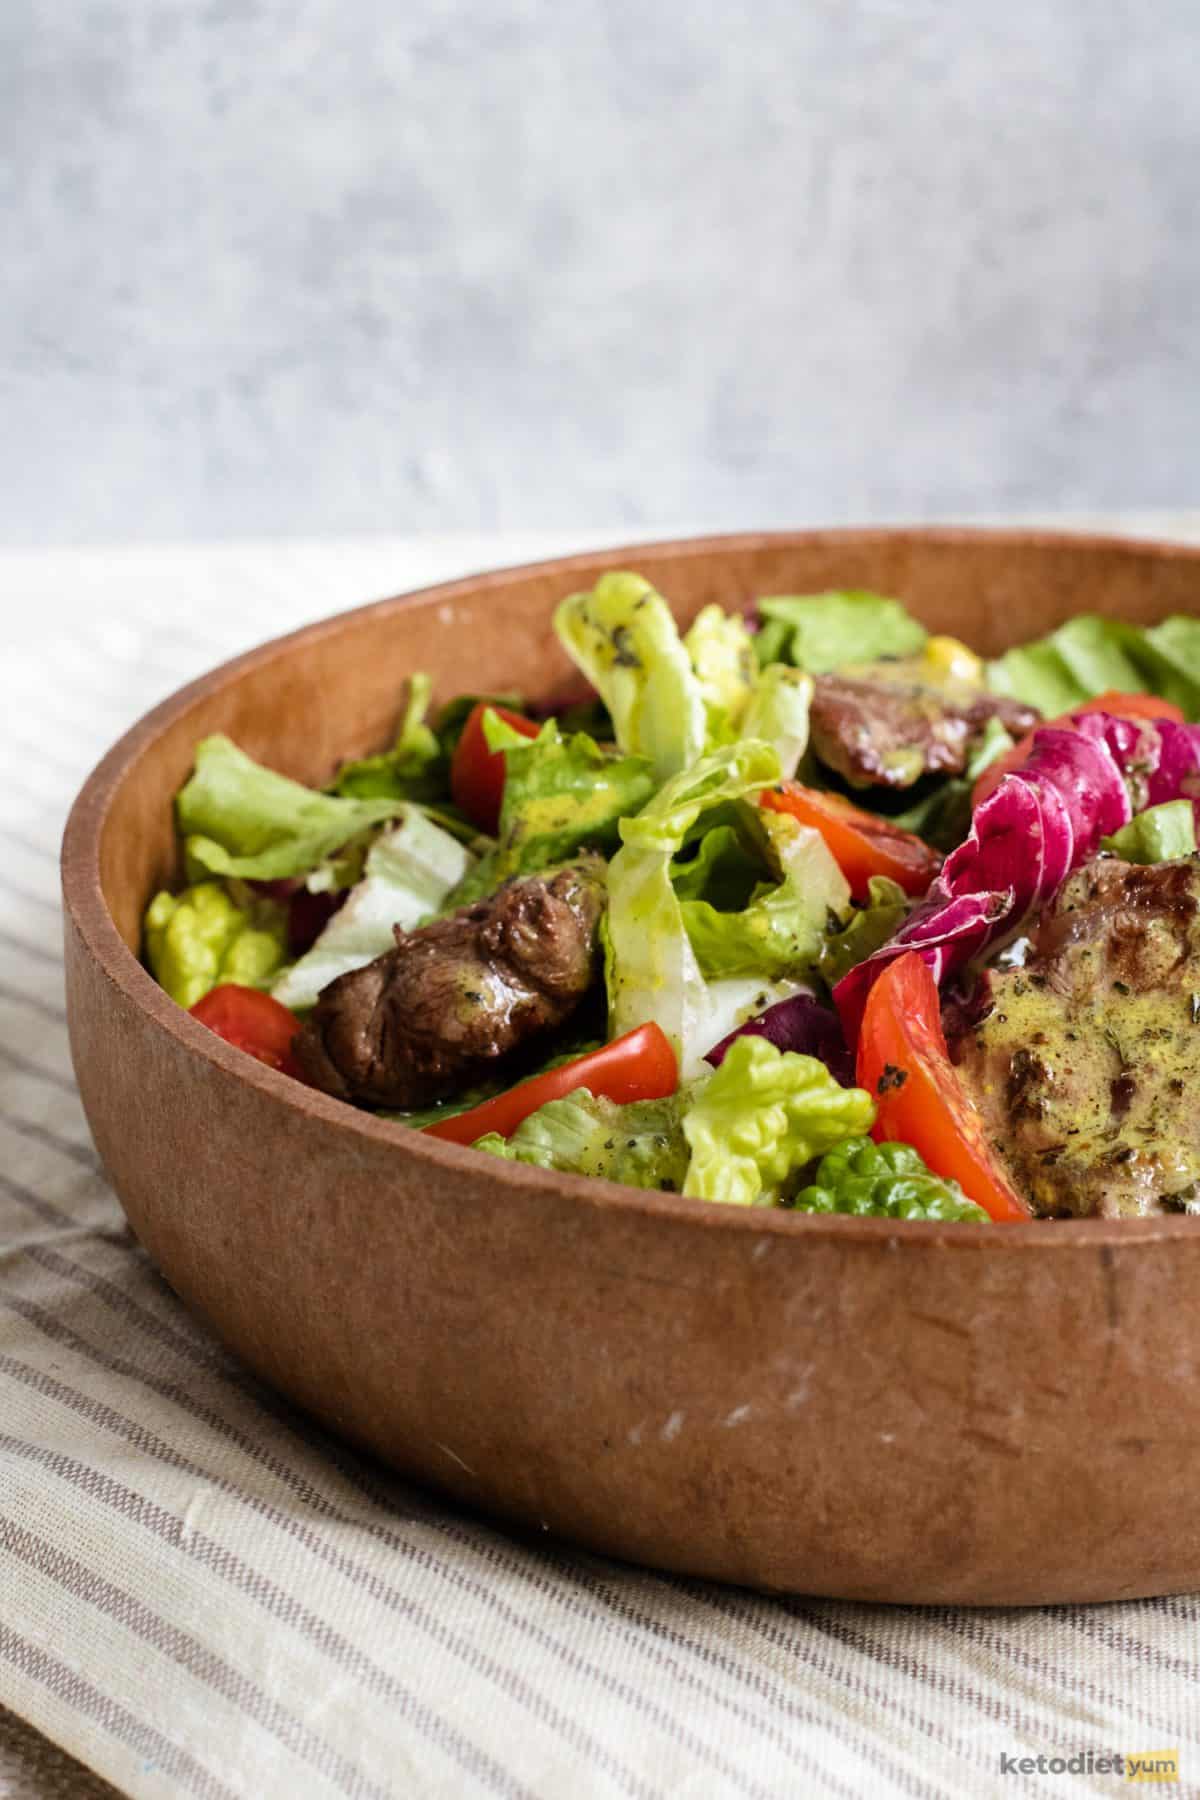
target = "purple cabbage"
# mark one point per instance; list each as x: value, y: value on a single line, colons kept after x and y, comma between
x: 1043, y: 821
x: 800, y: 1024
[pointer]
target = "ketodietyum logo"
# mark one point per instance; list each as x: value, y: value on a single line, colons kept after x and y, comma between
x: 1133, y: 1765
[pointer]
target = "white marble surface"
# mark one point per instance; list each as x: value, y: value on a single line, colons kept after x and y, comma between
x: 334, y: 266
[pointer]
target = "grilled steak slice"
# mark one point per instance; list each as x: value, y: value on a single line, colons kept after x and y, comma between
x: 434, y: 1014
x: 1087, y: 1066
x: 879, y: 732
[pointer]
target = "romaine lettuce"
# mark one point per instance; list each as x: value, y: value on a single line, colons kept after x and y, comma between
x: 238, y: 818
x: 199, y: 938
x: 561, y: 795
x: 415, y: 768
x: 760, y: 1117
x: 640, y: 1143
x: 821, y: 632
x: 410, y: 869
x: 652, y: 970
x: 778, y: 714
x: 721, y: 651
x: 1090, y: 655
x: 622, y: 636
x: 781, y: 929
x: 1162, y: 833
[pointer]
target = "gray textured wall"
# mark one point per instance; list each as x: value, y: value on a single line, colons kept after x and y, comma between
x: 337, y: 265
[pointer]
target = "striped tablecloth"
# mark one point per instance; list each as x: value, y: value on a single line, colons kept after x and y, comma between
x: 201, y: 1593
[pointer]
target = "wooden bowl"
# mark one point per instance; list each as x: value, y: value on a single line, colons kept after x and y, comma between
x: 833, y: 1406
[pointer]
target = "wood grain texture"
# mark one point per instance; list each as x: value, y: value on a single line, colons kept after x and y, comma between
x: 837, y: 1406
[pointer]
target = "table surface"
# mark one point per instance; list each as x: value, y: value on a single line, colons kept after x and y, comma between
x: 48, y: 596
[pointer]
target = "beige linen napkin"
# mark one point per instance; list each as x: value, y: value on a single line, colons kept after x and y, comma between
x: 202, y: 1594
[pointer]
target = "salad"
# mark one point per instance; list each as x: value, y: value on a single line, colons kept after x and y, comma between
x: 801, y: 908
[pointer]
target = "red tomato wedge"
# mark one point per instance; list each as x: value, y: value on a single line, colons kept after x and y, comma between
x: 477, y: 773
x: 639, y: 1066
x: 904, y: 1065
x: 254, y: 1022
x: 861, y: 843
x: 1124, y: 706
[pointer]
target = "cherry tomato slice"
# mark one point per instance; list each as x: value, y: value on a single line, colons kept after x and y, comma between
x: 639, y: 1066
x: 904, y: 1065
x: 861, y: 843
x: 1124, y: 706
x: 477, y: 773
x: 254, y: 1022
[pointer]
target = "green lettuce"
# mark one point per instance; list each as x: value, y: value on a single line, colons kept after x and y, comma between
x: 652, y: 970
x: 778, y: 714
x: 1090, y: 655
x: 781, y: 928
x: 821, y: 632
x: 1162, y: 833
x: 622, y: 636
x: 883, y: 1181
x: 721, y: 651
x: 200, y: 938
x: 760, y: 1118
x: 415, y: 768
x: 238, y: 818
x: 639, y: 1143
x: 870, y: 925
x: 561, y: 795
x: 410, y: 869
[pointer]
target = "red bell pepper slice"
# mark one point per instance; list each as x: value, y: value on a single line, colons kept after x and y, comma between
x: 904, y: 1065
x: 861, y: 843
x: 639, y: 1066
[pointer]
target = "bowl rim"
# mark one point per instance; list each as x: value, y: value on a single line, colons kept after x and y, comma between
x: 87, y: 909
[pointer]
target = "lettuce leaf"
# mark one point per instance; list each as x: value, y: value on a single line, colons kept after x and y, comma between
x: 410, y: 869
x: 238, y: 818
x: 721, y: 651
x: 415, y: 768
x: 1162, y: 833
x: 652, y: 970
x: 623, y: 637
x: 1090, y: 655
x: 639, y: 1143
x: 561, y: 795
x: 821, y: 632
x: 871, y: 924
x: 781, y: 929
x: 202, y: 937
x: 778, y: 714
x: 760, y: 1118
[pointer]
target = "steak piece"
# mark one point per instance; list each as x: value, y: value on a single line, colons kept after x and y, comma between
x: 429, y: 1017
x: 1087, y: 1064
x: 876, y: 731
